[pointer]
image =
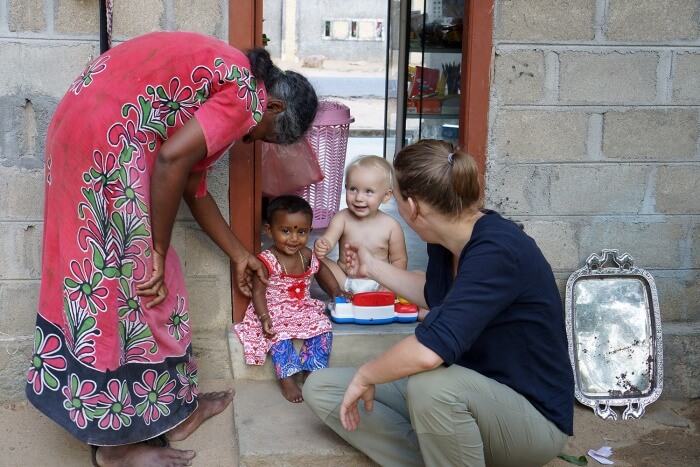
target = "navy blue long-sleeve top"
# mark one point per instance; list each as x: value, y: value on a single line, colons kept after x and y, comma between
x: 501, y: 316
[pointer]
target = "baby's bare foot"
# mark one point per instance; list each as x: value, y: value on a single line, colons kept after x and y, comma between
x: 291, y: 390
x: 209, y: 404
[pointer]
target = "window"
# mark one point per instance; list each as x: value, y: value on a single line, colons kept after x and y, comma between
x: 353, y: 29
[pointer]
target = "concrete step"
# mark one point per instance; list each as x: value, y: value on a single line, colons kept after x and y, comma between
x: 353, y: 345
x: 274, y: 432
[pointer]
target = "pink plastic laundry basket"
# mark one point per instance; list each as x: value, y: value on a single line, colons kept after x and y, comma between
x: 328, y: 137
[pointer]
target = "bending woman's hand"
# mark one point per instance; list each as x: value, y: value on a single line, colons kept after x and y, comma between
x: 358, y: 260
x: 357, y: 389
x: 245, y: 269
x: 155, y: 287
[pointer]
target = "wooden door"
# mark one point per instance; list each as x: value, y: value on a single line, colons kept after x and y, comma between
x: 477, y: 54
x: 245, y: 182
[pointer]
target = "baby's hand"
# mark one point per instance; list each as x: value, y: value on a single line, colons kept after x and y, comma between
x: 268, y: 329
x: 322, y: 247
x: 345, y: 294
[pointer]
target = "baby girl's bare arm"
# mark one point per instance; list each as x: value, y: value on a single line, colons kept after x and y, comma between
x: 327, y: 281
x: 260, y: 304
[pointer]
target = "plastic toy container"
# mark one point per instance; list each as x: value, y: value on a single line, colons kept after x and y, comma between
x: 328, y: 138
x: 373, y: 308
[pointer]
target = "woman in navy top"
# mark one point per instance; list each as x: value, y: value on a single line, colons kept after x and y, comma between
x: 486, y: 379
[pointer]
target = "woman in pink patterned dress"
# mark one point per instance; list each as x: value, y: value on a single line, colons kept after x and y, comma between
x: 284, y: 310
x: 135, y: 134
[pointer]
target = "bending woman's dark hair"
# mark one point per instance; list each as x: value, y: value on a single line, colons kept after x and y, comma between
x: 291, y: 88
x: 440, y: 174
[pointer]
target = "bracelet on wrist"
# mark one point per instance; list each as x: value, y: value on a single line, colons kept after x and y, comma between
x: 263, y: 316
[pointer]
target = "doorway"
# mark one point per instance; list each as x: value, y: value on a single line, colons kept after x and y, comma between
x: 342, y: 48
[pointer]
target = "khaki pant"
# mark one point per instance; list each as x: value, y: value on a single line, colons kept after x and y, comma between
x: 444, y: 417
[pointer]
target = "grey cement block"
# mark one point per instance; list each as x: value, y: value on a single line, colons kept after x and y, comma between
x: 695, y: 246
x: 558, y: 242
x: 653, y: 244
x: 203, y: 16
x: 77, y: 17
x: 26, y: 15
x: 24, y: 120
x: 33, y: 66
x: 686, y: 79
x: 518, y: 189
x: 691, y: 297
x: 136, y: 17
x: 15, y: 356
x: 651, y: 20
x: 211, y: 352
x: 218, y: 184
x: 540, y: 135
x: 199, y: 256
x: 656, y: 134
x: 677, y: 189
x: 607, y: 78
x: 20, y: 250
x: 21, y: 193
x: 681, y: 360
x: 519, y: 76
x: 544, y: 20
x: 679, y: 295
x: 18, y: 307
x: 209, y: 302
x: 596, y: 190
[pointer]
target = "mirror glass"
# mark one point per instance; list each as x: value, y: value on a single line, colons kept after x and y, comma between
x: 613, y: 325
x: 613, y: 329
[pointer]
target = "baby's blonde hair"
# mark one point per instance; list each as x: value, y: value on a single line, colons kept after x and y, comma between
x: 372, y: 161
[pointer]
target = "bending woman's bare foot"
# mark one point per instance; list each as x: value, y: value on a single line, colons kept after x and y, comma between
x: 291, y: 390
x: 209, y: 404
x: 136, y: 455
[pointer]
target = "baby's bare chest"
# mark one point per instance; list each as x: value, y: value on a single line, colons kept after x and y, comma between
x: 373, y: 235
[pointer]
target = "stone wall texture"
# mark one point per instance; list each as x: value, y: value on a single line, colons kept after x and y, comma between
x: 594, y: 130
x: 594, y: 144
x: 44, y: 45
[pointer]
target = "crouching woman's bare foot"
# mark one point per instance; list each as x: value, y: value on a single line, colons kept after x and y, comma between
x: 209, y: 404
x: 140, y: 454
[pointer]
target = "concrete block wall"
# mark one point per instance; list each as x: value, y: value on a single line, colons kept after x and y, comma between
x: 594, y: 142
x: 44, y: 45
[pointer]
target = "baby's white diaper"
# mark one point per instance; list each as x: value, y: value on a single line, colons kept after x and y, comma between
x: 358, y: 285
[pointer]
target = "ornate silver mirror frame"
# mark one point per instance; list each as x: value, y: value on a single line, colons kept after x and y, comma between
x: 614, y: 329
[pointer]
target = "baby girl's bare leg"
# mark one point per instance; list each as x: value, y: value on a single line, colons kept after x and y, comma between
x: 291, y: 390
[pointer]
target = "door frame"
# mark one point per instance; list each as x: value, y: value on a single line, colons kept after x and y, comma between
x: 477, y: 56
x: 245, y: 19
x: 245, y: 171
